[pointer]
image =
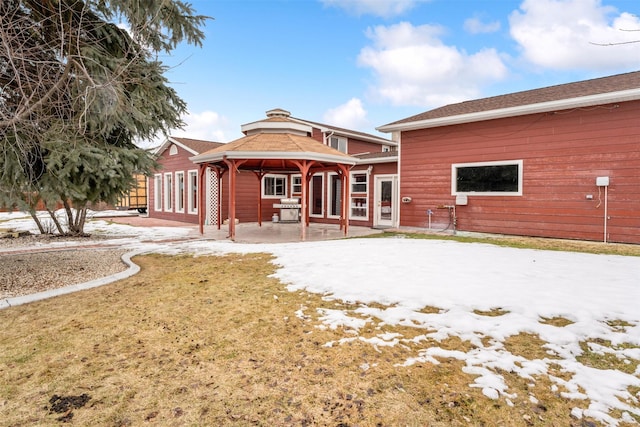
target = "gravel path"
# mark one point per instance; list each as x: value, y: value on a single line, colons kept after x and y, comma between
x: 37, y: 269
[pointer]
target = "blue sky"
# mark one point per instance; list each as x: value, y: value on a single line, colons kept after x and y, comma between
x: 360, y: 64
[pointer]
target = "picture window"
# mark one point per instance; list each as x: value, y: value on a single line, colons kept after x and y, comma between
x: 502, y: 178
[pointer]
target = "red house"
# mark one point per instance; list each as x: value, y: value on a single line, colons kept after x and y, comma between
x: 561, y: 161
x: 266, y: 163
x: 173, y: 191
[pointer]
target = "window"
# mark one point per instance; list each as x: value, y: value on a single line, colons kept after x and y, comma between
x: 168, y: 192
x: 339, y: 144
x: 274, y: 186
x: 359, y: 182
x: 386, y: 148
x: 192, y: 190
x: 335, y: 195
x: 503, y: 178
x: 157, y: 192
x: 359, y: 207
x: 179, y: 191
x: 173, y: 150
x: 316, y: 196
x: 296, y: 184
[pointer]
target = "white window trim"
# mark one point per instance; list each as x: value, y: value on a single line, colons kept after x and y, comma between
x: 310, y: 207
x: 330, y: 196
x: 293, y: 177
x: 352, y: 181
x: 359, y: 194
x: 340, y: 139
x: 157, y: 192
x: 455, y: 166
x: 192, y: 205
x: 179, y: 197
x: 277, y: 196
x: 173, y: 150
x: 167, y: 190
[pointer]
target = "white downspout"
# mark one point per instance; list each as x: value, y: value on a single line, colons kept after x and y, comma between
x: 606, y: 214
x: 327, y: 135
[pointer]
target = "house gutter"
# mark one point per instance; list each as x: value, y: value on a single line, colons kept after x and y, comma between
x: 521, y: 110
x: 271, y: 155
x: 377, y: 160
x: 347, y: 133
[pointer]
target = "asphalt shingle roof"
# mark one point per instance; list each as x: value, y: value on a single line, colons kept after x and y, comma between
x: 597, y: 86
x: 197, y: 145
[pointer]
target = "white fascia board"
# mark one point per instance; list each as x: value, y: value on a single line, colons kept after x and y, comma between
x: 543, y: 107
x: 377, y: 160
x: 170, y: 140
x: 372, y: 138
x: 341, y: 132
x: 299, y: 127
x: 160, y: 149
x: 273, y: 155
x: 201, y: 158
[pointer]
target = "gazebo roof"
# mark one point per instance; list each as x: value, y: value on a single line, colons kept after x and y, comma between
x: 275, y: 151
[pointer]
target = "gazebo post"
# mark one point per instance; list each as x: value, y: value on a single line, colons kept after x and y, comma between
x: 345, y: 197
x: 306, y: 182
x: 304, y: 167
x: 232, y: 165
x: 232, y: 197
x: 260, y: 175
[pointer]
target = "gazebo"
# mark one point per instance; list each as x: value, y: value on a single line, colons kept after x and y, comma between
x: 275, y: 145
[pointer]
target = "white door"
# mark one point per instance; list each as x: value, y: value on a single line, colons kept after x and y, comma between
x: 385, y: 194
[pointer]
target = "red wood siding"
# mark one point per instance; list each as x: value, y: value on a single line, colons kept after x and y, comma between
x: 356, y: 146
x: 317, y: 135
x: 562, y: 155
x: 171, y: 164
x: 248, y: 191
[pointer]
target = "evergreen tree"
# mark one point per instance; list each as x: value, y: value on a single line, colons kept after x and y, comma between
x: 77, y: 90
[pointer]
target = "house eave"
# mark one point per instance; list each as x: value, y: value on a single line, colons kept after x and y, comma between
x: 543, y: 107
x: 170, y: 141
x: 344, y: 132
x: 272, y: 155
x: 276, y: 127
x: 377, y: 160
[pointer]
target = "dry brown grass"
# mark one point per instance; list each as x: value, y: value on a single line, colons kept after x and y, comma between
x: 215, y: 341
x: 558, y: 321
x: 494, y: 312
x: 607, y: 360
x: 529, y: 346
x: 525, y: 242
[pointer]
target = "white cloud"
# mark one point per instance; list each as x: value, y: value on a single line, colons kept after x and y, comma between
x: 350, y: 115
x: 476, y: 26
x: 562, y: 35
x: 207, y: 125
x: 413, y: 67
x: 383, y: 8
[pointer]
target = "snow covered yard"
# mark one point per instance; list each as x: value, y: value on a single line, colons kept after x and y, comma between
x: 465, y: 285
x: 584, y: 307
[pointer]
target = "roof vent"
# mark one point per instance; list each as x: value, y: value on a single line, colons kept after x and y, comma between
x: 278, y: 112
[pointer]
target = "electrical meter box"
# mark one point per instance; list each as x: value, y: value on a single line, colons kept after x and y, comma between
x: 462, y: 200
x: 602, y: 181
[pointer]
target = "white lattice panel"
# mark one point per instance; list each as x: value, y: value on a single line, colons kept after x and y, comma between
x: 212, y: 198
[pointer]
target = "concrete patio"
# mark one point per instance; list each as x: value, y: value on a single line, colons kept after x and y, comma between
x: 251, y: 232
